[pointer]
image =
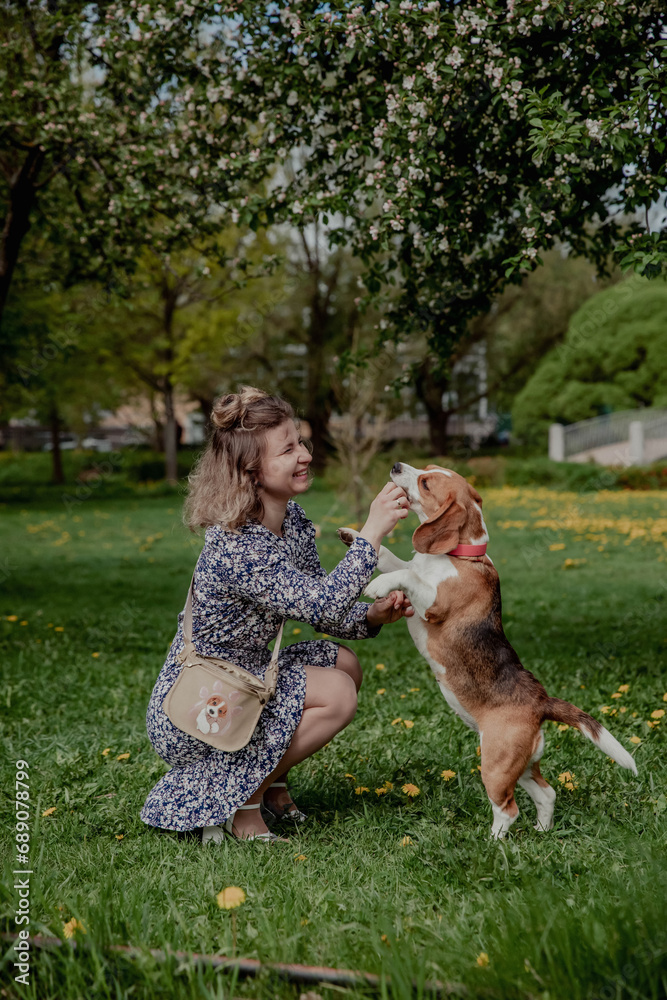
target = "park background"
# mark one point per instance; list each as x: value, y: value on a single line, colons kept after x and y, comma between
x: 439, y: 230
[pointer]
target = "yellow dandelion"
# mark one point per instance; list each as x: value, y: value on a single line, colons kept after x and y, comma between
x: 623, y: 709
x: 122, y: 756
x: 395, y: 722
x: 664, y: 697
x: 624, y: 688
x: 299, y: 857
x: 414, y: 689
x: 305, y: 921
x: 50, y: 625
x: 383, y: 937
x: 605, y: 709
x: 381, y: 690
x: 635, y: 739
x: 23, y: 623
x: 95, y: 655
x: 106, y: 751
x: 561, y: 729
x: 59, y: 628
x: 381, y: 791
x: 388, y: 785
x: 72, y: 926
x: 296, y: 631
x: 12, y: 618
x: 408, y: 723
x: 410, y: 790
x: 230, y: 898
x: 406, y: 841
x: 478, y: 750
x: 617, y: 694
x: 49, y: 812
x: 565, y: 776
x: 557, y: 546
x: 349, y: 776
x: 448, y: 775
x: 658, y: 713
x: 570, y: 785
x: 482, y: 959
x: 361, y: 789
x: 119, y: 836
x: 379, y: 666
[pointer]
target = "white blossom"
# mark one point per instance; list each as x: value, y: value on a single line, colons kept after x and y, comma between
x: 454, y: 58
x: 594, y: 128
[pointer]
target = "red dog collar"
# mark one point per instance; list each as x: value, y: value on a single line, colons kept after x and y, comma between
x: 468, y: 550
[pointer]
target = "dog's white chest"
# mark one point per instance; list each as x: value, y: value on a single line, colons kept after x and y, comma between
x: 419, y: 635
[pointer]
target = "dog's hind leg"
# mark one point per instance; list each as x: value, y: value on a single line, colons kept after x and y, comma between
x: 508, y: 748
x: 540, y: 791
x: 542, y: 794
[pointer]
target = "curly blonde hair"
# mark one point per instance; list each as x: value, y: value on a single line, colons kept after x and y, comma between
x: 223, y: 485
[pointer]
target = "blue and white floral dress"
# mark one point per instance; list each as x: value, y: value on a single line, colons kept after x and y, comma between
x: 244, y: 585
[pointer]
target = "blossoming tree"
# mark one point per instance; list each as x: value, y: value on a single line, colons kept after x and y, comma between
x: 455, y: 141
x: 445, y: 143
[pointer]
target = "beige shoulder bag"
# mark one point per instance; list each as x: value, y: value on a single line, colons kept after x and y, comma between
x: 214, y: 700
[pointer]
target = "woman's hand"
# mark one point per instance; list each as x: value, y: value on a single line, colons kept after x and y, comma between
x: 389, y: 609
x: 389, y: 507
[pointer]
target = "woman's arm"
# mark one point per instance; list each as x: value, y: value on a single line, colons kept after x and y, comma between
x: 257, y: 570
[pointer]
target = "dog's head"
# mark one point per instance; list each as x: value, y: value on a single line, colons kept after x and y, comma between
x: 449, y: 508
x: 216, y: 707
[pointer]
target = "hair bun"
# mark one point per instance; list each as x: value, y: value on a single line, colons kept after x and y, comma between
x: 229, y: 411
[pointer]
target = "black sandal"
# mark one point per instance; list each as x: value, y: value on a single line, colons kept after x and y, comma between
x: 290, y: 811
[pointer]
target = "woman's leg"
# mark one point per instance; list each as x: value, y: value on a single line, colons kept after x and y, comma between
x: 330, y: 704
x: 347, y: 662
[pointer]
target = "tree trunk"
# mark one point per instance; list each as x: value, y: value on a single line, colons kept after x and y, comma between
x: 170, y: 435
x: 206, y: 406
x: 57, y: 475
x: 17, y: 219
x: 429, y: 388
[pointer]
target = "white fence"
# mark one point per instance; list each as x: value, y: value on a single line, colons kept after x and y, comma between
x: 629, y: 437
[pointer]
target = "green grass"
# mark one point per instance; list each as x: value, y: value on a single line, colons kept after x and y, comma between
x: 577, y: 912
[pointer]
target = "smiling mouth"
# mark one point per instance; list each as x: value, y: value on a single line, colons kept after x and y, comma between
x: 301, y: 475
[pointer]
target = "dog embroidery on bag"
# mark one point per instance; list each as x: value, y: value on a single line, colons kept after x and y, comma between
x: 216, y: 711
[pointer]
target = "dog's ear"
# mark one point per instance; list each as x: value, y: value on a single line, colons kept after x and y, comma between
x: 426, y: 468
x: 474, y: 494
x: 440, y: 534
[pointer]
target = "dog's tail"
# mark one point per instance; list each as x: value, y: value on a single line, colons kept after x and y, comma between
x: 562, y: 711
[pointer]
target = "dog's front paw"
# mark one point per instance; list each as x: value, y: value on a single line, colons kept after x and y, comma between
x: 376, y: 588
x: 347, y: 535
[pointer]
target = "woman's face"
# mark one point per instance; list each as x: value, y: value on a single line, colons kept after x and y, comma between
x: 285, y: 463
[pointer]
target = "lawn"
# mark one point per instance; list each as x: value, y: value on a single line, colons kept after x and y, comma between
x: 396, y: 884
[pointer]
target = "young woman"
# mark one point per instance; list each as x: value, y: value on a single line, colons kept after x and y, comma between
x: 259, y: 564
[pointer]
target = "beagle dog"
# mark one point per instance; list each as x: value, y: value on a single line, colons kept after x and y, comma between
x: 457, y: 627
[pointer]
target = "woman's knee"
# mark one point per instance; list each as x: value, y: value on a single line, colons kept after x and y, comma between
x: 347, y: 662
x: 334, y: 691
x: 344, y: 697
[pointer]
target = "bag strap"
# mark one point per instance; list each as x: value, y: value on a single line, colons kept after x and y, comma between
x: 271, y: 676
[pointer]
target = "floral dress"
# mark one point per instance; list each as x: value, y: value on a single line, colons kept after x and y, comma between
x: 245, y: 583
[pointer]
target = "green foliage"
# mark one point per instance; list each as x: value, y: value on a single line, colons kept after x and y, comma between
x: 612, y: 358
x: 467, y: 139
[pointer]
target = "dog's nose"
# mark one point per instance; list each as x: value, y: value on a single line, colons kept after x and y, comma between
x: 396, y: 468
